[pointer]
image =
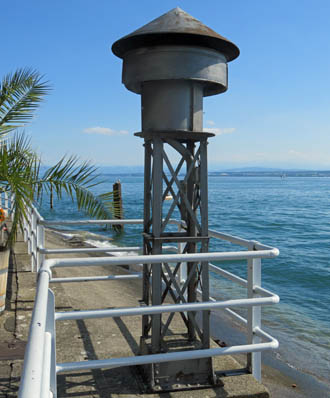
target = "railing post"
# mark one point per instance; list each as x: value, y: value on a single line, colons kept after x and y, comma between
x: 254, y: 316
x: 34, y: 241
x: 31, y: 376
x: 25, y: 227
x: 6, y: 202
x: 25, y: 224
x: 40, y: 242
x: 12, y: 199
x: 48, y: 384
x: 29, y: 226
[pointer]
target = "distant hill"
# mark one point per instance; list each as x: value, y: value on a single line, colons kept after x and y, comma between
x: 253, y: 169
x: 214, y: 171
x: 270, y: 172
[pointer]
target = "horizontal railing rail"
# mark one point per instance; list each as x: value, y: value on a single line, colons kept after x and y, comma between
x: 40, y: 367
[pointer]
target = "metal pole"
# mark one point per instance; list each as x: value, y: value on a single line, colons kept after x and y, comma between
x: 191, y: 232
x: 40, y: 243
x: 50, y: 330
x: 254, y: 317
x: 25, y: 227
x: 146, y: 229
x: 6, y: 202
x: 34, y: 242
x: 34, y: 353
x: 29, y: 226
x: 157, y: 246
x: 203, y: 176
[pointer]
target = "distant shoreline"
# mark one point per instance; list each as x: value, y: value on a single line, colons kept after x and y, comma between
x: 277, y: 174
x: 214, y: 171
x: 281, y: 174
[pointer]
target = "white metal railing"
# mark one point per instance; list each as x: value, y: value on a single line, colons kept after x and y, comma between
x: 40, y: 367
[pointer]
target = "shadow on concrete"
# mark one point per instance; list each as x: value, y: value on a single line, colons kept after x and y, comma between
x: 97, y: 382
x: 127, y: 335
x: 11, y: 284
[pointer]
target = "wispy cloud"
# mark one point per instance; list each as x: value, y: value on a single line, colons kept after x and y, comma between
x: 219, y: 131
x: 297, y: 154
x: 210, y: 122
x: 104, y: 131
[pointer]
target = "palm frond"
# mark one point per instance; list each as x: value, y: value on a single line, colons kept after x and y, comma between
x: 16, y: 179
x: 76, y: 180
x: 20, y: 95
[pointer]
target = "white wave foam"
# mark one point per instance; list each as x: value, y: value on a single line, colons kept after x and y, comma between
x: 65, y: 235
x: 107, y: 244
x: 96, y: 240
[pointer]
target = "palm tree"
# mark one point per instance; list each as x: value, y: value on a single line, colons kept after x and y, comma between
x: 20, y: 96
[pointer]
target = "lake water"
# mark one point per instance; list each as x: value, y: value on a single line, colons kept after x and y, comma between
x: 292, y: 214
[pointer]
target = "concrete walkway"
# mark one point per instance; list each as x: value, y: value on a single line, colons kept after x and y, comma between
x: 91, y: 339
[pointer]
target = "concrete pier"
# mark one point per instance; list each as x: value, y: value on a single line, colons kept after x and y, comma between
x: 91, y: 339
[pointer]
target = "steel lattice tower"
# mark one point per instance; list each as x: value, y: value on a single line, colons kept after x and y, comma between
x: 173, y: 62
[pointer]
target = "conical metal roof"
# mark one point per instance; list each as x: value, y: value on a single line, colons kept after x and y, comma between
x: 176, y: 27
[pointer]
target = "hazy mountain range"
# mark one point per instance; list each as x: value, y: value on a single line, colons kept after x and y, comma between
x: 239, y: 171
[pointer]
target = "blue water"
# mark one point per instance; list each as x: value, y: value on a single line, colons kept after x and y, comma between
x: 292, y: 214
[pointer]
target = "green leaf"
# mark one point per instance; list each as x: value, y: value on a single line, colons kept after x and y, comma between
x: 20, y: 95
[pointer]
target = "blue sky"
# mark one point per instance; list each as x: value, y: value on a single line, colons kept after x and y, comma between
x: 276, y: 111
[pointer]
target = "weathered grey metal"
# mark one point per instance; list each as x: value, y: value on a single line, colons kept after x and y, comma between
x: 172, y: 82
x: 178, y: 105
x: 146, y: 226
x: 173, y: 62
x: 158, y: 63
x: 176, y: 27
x: 156, y: 269
x: 203, y: 178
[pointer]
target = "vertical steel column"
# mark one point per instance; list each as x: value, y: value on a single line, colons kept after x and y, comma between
x: 156, y: 269
x: 191, y: 232
x: 205, y: 244
x: 146, y: 230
